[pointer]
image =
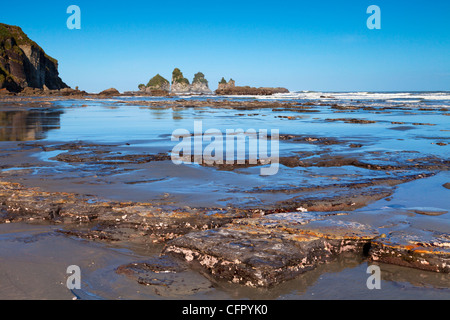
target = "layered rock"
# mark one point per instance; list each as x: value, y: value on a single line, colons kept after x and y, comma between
x: 24, y: 64
x: 414, y: 248
x: 265, y: 251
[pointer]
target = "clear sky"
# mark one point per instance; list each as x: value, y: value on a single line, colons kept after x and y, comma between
x: 301, y: 45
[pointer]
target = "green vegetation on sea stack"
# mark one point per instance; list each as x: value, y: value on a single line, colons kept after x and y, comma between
x: 157, y: 82
x: 200, y: 77
x: 177, y: 77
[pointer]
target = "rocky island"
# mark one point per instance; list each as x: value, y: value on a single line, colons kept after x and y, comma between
x: 180, y: 84
x: 156, y: 86
x: 200, y: 84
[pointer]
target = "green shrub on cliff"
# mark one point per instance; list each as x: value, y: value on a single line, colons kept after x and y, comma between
x: 4, y: 32
x: 177, y: 77
x: 7, y: 32
x: 223, y: 81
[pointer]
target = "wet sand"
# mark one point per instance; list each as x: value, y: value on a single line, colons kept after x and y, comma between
x: 96, y: 175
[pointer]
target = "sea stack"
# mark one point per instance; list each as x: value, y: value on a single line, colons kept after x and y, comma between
x: 157, y: 85
x: 200, y: 84
x: 223, y: 84
x: 179, y: 83
x: 24, y: 64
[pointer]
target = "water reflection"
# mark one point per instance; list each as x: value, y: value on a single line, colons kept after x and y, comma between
x: 27, y: 125
x: 177, y: 114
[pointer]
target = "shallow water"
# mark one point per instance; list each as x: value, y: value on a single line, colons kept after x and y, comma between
x: 34, y: 257
x: 147, y: 130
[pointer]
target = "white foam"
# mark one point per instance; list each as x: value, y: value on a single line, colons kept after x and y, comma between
x: 398, y: 97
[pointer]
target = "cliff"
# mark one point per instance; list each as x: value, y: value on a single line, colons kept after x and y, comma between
x: 24, y: 64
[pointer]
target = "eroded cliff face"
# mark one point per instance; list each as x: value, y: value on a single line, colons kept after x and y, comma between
x: 24, y: 64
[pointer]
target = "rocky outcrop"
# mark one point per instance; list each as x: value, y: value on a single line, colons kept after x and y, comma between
x: 229, y: 88
x: 110, y: 92
x: 265, y: 251
x: 200, y: 84
x: 28, y: 91
x: 223, y: 84
x: 179, y: 83
x: 24, y: 64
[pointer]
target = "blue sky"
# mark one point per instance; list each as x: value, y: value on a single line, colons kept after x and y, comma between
x: 301, y: 45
